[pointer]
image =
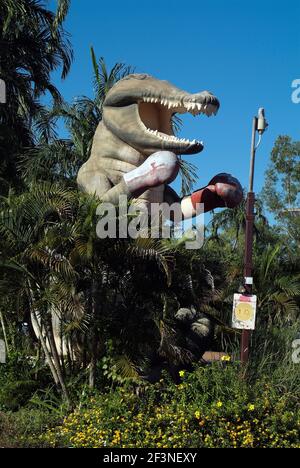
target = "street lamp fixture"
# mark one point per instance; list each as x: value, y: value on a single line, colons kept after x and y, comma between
x: 259, y: 126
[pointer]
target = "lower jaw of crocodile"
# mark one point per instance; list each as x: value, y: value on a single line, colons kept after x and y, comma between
x: 156, y: 117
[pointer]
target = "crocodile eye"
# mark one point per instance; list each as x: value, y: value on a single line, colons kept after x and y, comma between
x: 142, y: 77
x: 137, y: 76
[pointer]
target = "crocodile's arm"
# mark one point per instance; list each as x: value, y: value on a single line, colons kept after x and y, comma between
x: 222, y: 191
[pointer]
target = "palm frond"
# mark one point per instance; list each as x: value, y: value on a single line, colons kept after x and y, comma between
x: 61, y: 12
x: 168, y: 348
x: 189, y: 176
x: 125, y: 368
x: 153, y: 249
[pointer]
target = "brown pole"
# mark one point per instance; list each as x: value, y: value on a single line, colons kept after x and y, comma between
x: 248, y: 265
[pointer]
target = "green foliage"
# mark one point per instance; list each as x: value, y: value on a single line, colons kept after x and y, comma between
x: 282, y: 188
x: 58, y: 160
x: 105, y: 79
x: 282, y: 185
x: 220, y: 405
x: 189, y: 177
x: 213, y: 407
x: 17, y: 380
x: 33, y: 44
x: 17, y: 429
x: 115, y: 299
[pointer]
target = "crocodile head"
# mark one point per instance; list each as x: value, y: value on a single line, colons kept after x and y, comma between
x: 139, y: 108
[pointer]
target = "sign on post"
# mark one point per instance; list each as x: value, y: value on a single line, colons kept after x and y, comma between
x: 2, y: 352
x: 244, y: 312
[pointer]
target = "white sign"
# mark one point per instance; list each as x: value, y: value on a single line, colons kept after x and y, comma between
x: 248, y: 280
x: 244, y: 312
x: 2, y: 352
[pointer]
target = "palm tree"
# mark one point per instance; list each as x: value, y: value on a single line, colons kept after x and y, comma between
x: 277, y: 287
x: 54, y: 265
x: 235, y: 221
x: 33, y: 45
x: 24, y: 221
x: 59, y: 160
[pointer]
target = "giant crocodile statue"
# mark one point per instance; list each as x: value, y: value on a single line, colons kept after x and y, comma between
x: 135, y: 152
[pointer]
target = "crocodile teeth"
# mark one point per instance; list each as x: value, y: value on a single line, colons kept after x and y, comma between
x: 194, y: 108
x: 172, y: 138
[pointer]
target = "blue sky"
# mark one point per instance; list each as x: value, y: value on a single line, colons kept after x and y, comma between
x: 246, y: 52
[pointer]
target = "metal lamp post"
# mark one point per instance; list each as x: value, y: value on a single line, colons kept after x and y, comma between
x: 259, y: 126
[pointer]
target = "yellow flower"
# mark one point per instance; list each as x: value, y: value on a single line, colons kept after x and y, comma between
x: 197, y: 414
x: 251, y: 407
x: 182, y: 373
x: 226, y: 358
x: 219, y: 404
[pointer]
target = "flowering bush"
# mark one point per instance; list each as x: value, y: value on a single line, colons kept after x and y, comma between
x: 212, y: 407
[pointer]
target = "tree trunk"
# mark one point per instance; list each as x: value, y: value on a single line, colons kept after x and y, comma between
x: 54, y: 364
x: 4, y: 332
x: 92, y: 366
x: 56, y: 359
x: 92, y: 372
x: 62, y: 359
x: 38, y: 357
x: 45, y: 349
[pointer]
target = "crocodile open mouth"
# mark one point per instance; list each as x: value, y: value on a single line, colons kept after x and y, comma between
x: 156, y: 114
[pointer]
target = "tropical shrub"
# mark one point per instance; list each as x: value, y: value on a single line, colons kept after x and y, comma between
x: 214, y: 406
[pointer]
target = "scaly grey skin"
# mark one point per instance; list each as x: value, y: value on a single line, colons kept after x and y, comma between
x: 137, y: 122
x: 197, y: 329
x: 194, y: 335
